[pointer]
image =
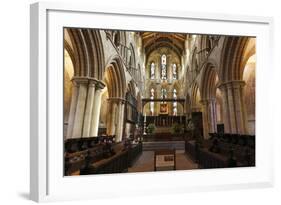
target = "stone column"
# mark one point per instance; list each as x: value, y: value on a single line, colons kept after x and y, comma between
x: 212, y: 116
x: 96, y: 109
x: 235, y: 106
x: 239, y: 111
x: 89, y: 108
x: 120, y: 120
x: 80, y: 106
x: 111, y: 117
x: 225, y: 108
x: 72, y: 109
x: 108, y: 117
x: 231, y: 107
x: 205, y: 105
x: 122, y: 124
x: 244, y: 111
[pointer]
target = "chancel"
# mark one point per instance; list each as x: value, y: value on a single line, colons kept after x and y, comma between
x: 151, y: 101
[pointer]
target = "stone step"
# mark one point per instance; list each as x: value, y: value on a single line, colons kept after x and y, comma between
x: 177, y: 145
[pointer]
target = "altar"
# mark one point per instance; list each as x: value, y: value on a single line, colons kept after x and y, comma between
x: 163, y: 108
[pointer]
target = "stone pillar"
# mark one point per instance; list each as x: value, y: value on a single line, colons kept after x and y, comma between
x: 96, y: 110
x: 212, y: 116
x: 231, y: 107
x: 72, y: 109
x: 243, y: 106
x: 205, y: 106
x: 80, y: 106
x: 111, y: 117
x: 89, y: 108
x: 225, y: 108
x: 108, y: 117
x: 235, y: 106
x: 239, y: 108
x: 120, y: 120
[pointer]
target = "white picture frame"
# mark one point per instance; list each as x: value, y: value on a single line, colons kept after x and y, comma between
x: 47, y: 182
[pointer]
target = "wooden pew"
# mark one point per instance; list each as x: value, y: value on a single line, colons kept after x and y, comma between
x: 79, y: 152
x: 224, y: 150
x: 96, y: 155
x: 118, y: 163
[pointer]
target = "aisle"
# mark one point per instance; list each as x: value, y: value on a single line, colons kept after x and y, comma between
x: 145, y: 163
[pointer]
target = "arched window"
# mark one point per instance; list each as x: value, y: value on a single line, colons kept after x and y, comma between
x: 163, y: 93
x: 116, y: 38
x: 175, y: 74
x: 163, y: 67
x: 151, y: 102
x: 152, y: 70
x: 175, y: 109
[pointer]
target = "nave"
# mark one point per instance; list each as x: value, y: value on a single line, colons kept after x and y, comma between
x: 150, y: 101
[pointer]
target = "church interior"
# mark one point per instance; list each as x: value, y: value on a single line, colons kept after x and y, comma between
x: 139, y: 101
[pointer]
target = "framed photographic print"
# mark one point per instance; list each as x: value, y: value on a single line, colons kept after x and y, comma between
x: 122, y: 99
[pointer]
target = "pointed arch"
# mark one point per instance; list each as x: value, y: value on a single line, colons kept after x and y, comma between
x: 87, y: 52
x: 233, y: 48
x: 70, y: 51
x: 132, y: 57
x: 78, y: 51
x: 204, y: 47
x: 114, y: 77
x: 248, y: 52
x: 209, y: 81
x: 194, y: 61
x: 119, y: 38
x: 195, y: 96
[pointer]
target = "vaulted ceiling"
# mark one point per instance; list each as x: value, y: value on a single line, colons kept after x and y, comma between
x: 155, y: 40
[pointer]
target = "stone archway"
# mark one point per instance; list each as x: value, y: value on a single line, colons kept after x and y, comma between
x: 209, y: 82
x: 195, y: 98
x: 249, y: 93
x: 115, y: 81
x: 232, y: 83
x: 86, y: 51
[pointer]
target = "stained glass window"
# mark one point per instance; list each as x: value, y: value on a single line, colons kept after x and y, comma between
x: 175, y: 75
x: 163, y: 93
x: 175, y: 110
x: 151, y: 102
x: 152, y: 70
x: 163, y: 67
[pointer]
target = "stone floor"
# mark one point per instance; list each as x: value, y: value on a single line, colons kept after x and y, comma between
x: 145, y: 163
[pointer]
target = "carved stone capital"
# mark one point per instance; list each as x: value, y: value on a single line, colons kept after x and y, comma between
x: 93, y: 82
x: 232, y: 84
x: 117, y: 100
x: 100, y: 85
x: 77, y: 80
